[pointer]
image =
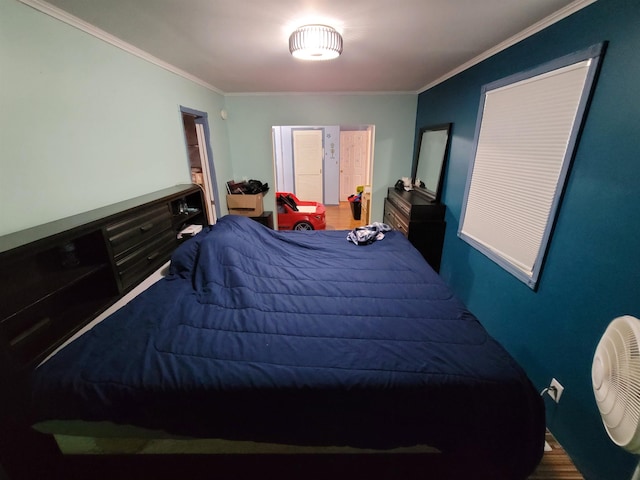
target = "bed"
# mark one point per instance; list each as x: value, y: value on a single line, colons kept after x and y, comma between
x: 300, y: 339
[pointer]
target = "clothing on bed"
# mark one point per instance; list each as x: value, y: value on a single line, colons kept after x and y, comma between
x: 368, y: 234
x: 303, y: 338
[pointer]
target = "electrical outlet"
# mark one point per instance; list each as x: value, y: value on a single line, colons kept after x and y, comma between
x: 555, y: 390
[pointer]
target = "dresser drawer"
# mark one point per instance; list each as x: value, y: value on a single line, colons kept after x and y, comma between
x: 137, y: 263
x: 137, y: 229
x: 395, y: 219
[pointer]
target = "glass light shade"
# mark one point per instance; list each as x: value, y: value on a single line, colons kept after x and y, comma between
x: 315, y: 42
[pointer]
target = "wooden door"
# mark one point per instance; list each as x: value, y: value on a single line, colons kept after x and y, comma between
x: 307, y: 161
x: 354, y: 160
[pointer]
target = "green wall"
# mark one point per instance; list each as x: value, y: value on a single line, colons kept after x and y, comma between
x: 84, y: 124
x: 252, y: 116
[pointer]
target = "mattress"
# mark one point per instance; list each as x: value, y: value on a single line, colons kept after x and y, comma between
x: 299, y: 338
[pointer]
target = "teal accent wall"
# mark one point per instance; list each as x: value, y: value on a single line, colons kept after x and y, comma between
x: 592, y: 271
x: 84, y: 124
x: 252, y: 116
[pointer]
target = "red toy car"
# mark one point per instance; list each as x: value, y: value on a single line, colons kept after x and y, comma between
x: 294, y: 214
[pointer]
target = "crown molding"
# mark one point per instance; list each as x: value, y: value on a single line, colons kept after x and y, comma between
x: 86, y: 27
x: 312, y: 94
x: 80, y: 24
x: 526, y: 33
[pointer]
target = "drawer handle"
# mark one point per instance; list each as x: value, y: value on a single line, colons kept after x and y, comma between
x: 153, y: 256
x: 146, y: 227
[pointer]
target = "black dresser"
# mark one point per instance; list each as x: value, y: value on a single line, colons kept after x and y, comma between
x: 419, y: 219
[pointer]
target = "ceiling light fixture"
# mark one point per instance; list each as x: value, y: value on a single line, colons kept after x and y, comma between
x: 315, y: 42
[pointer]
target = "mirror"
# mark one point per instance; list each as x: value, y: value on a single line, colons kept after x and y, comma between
x: 427, y: 173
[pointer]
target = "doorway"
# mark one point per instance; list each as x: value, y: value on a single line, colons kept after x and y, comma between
x: 336, y: 186
x: 355, y: 146
x: 200, y: 159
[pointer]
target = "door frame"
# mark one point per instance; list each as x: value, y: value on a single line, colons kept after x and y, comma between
x: 202, y: 118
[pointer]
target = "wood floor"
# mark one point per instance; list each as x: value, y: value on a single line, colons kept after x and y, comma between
x: 339, y: 217
x: 555, y: 464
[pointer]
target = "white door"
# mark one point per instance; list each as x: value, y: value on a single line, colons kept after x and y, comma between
x: 210, y: 201
x: 354, y: 159
x: 307, y: 160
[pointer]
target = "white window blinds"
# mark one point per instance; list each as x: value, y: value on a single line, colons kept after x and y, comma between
x: 524, y: 143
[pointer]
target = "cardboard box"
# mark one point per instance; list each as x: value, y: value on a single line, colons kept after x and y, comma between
x: 247, y: 205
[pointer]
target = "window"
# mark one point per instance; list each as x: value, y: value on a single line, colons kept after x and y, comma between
x: 528, y: 126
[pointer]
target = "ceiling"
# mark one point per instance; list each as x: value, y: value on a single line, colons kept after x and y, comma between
x: 241, y: 46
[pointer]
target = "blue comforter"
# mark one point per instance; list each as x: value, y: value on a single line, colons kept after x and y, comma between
x: 303, y: 338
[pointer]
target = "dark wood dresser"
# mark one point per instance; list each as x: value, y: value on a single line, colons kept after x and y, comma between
x: 56, y: 277
x: 419, y: 219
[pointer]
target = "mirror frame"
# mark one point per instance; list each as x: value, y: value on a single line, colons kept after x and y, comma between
x: 431, y: 195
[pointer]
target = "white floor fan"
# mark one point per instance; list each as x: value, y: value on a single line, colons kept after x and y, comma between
x: 615, y: 374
